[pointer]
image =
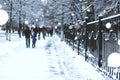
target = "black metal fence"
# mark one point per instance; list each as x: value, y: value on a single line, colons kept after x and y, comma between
x: 96, y: 41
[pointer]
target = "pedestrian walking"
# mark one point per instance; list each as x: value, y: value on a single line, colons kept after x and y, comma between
x: 27, y: 33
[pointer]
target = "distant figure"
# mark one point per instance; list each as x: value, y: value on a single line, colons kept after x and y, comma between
x: 27, y: 33
x: 51, y: 32
x: 39, y: 32
x: 34, y: 40
x: 44, y: 32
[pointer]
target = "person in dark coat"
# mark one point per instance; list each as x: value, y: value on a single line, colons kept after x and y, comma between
x: 27, y: 33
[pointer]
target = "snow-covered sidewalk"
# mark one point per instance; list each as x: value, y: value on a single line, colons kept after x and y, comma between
x: 75, y: 66
x: 50, y: 60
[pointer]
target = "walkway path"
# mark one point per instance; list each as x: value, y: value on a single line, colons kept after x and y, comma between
x: 30, y: 64
x: 50, y: 60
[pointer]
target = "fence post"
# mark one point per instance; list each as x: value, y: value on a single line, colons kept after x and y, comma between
x: 86, y: 38
x: 100, y: 42
x: 118, y: 7
x: 73, y: 29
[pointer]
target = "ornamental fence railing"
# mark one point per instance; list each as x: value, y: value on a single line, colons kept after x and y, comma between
x: 95, y: 41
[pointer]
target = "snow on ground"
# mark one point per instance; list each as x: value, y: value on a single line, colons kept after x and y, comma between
x: 50, y: 60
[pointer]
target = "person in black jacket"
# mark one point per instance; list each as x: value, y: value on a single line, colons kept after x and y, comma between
x: 27, y: 33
